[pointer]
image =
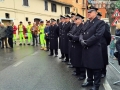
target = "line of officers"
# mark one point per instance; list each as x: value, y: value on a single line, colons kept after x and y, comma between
x: 84, y: 46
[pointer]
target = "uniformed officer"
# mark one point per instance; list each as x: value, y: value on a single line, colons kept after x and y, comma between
x: 64, y: 38
x: 105, y: 41
x: 61, y: 25
x: 54, y: 33
x: 92, y: 59
x: 76, y: 49
x: 73, y: 16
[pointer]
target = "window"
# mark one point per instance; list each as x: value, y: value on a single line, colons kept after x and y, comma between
x: 76, y: 10
x: 7, y: 15
x: 67, y: 10
x: 76, y: 1
x: 53, y: 7
x: 46, y: 5
x: 83, y: 2
x: 83, y: 11
x: 26, y: 18
x: 25, y: 2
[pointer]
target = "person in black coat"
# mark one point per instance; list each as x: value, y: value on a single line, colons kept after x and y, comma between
x: 105, y: 41
x: 10, y: 34
x: 92, y: 59
x: 53, y: 34
x: 73, y: 16
x: 61, y: 25
x: 117, y: 33
x: 76, y: 49
x: 47, y: 31
x: 64, y: 38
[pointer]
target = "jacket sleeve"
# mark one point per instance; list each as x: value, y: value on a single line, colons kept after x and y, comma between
x: 97, y: 36
x: 107, y: 34
x: 75, y: 38
x: 57, y: 31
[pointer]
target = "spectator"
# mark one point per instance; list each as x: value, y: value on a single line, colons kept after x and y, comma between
x: 3, y: 35
x: 47, y: 35
x: 112, y: 47
x: 34, y: 31
x: 10, y: 34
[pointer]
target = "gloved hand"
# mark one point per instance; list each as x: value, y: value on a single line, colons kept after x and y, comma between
x: 70, y: 36
x: 83, y: 43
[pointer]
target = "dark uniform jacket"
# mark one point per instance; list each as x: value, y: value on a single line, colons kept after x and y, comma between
x: 105, y: 41
x: 64, y: 38
x: 117, y: 54
x: 76, y: 48
x: 92, y: 32
x: 9, y: 31
x: 54, y: 33
x: 61, y: 25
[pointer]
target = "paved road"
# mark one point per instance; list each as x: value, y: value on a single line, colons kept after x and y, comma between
x: 28, y: 68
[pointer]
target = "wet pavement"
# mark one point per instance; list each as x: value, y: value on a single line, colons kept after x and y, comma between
x: 29, y: 68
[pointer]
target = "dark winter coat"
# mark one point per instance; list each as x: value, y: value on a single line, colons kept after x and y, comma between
x: 54, y: 33
x: 92, y: 32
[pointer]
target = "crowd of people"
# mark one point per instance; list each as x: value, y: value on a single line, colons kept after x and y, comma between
x: 6, y: 35
x: 83, y: 45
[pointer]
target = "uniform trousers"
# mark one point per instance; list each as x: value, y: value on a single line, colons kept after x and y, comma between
x: 81, y: 71
x: 96, y: 73
x: 47, y: 43
x: 10, y: 41
x: 54, y: 50
x: 67, y: 57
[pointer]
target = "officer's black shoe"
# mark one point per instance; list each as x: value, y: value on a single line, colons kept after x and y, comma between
x: 95, y: 88
x: 28, y: 44
x: 76, y: 74
x: 103, y: 76
x: 56, y: 56
x: 71, y: 66
x: 81, y: 78
x: 87, y: 84
x: 20, y: 44
x: 61, y: 57
x: 68, y: 63
x: 64, y: 60
x: 50, y: 55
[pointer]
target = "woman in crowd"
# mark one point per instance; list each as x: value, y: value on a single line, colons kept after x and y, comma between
x: 3, y: 35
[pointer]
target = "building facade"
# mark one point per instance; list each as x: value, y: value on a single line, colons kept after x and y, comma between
x: 79, y: 6
x: 27, y: 10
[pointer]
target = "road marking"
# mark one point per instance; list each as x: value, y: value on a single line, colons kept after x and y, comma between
x: 107, y: 85
x: 17, y: 64
x: 34, y: 53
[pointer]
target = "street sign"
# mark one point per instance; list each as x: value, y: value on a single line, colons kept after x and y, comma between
x: 115, y: 22
x: 116, y: 13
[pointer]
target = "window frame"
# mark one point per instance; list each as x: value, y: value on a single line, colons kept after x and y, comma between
x: 25, y: 4
x: 66, y: 10
x: 46, y: 5
x: 52, y: 7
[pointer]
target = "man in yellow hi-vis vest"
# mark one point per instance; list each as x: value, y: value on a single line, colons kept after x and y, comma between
x: 21, y: 32
x: 29, y: 34
x: 42, y: 36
